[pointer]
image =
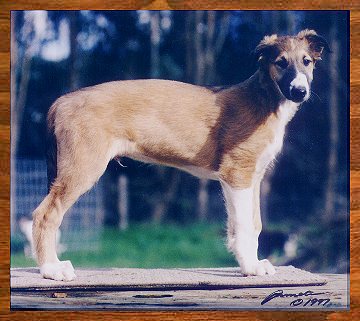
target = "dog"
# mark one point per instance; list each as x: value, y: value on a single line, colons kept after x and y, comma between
x: 226, y: 134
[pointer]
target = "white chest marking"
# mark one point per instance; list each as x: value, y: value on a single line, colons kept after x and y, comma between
x: 285, y: 113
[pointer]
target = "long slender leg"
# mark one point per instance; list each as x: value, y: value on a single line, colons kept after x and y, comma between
x: 76, y: 175
x: 257, y: 222
x: 46, y: 221
x: 256, y: 210
x: 230, y: 222
x: 244, y: 213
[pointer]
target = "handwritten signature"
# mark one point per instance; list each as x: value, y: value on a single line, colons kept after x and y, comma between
x: 306, y: 298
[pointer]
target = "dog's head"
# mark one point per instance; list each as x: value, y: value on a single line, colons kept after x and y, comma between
x: 290, y: 61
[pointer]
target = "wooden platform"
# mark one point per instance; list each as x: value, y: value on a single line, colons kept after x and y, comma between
x: 179, y: 289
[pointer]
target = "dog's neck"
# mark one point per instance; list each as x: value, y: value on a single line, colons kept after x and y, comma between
x: 258, y: 96
x: 250, y: 103
x: 267, y: 91
x: 271, y: 98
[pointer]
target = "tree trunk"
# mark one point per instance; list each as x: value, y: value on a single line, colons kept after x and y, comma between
x: 123, y: 207
x: 155, y: 44
x: 161, y: 206
x: 210, y: 66
x: 332, y: 166
x: 203, y: 199
x: 74, y: 72
x: 189, y: 32
x: 18, y: 100
x: 275, y: 19
x: 110, y: 195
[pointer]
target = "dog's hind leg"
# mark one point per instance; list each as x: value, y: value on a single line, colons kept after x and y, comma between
x: 79, y: 167
x: 46, y: 221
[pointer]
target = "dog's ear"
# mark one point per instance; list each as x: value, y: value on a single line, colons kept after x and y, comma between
x: 317, y: 44
x: 265, y: 49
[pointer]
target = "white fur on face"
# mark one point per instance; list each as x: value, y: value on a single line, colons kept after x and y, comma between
x: 301, y: 81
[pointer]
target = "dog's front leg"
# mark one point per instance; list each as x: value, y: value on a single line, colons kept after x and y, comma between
x: 243, y: 207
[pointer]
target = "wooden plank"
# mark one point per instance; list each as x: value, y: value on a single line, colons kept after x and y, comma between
x: 333, y: 295
x: 178, y: 4
x: 28, y: 279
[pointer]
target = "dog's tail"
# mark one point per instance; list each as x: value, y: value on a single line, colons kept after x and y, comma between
x: 51, y: 147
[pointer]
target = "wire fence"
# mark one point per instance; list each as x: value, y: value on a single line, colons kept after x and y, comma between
x: 81, y: 227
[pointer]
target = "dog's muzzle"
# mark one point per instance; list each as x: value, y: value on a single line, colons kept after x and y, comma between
x: 299, y: 88
x: 298, y: 94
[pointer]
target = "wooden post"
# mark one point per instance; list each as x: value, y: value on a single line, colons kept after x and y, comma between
x: 123, y: 202
x: 203, y: 199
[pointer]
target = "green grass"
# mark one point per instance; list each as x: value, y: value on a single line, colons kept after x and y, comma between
x: 152, y: 246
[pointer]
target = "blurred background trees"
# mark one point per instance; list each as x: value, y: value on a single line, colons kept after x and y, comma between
x: 305, y: 195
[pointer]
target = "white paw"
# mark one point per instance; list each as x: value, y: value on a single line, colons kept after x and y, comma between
x: 258, y: 268
x: 60, y: 271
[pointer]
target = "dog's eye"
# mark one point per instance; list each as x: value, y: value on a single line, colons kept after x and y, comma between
x: 307, y: 61
x: 282, y: 63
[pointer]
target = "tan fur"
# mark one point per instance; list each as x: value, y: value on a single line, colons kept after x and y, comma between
x: 219, y: 134
x: 90, y: 123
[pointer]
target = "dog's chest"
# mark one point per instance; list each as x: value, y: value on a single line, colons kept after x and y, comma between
x: 277, y: 126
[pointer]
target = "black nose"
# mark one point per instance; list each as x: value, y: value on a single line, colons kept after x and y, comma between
x: 298, y: 93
